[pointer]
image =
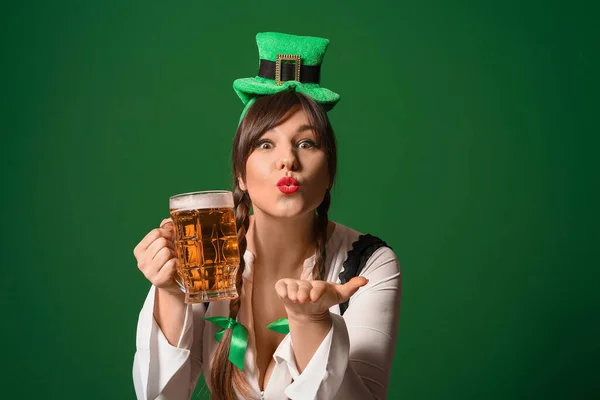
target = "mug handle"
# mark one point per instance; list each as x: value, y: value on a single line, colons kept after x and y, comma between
x: 176, y: 277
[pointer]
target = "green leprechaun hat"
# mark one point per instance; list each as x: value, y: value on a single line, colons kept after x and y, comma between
x: 287, y: 62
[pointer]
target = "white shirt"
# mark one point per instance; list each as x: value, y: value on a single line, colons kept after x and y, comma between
x: 353, y: 361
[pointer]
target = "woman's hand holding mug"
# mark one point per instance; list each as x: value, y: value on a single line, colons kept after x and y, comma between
x: 156, y: 258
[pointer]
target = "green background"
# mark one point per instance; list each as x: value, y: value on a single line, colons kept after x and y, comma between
x: 467, y: 139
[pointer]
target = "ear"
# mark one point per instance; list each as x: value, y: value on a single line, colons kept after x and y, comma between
x: 242, y: 184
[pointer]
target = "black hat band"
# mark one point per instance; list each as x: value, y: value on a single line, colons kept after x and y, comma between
x: 288, y: 71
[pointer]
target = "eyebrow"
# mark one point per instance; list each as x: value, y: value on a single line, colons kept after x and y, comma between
x: 305, y: 127
x: 301, y: 129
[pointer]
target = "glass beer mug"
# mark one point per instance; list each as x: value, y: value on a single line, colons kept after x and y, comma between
x: 206, y: 245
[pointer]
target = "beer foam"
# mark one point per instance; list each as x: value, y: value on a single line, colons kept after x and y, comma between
x: 201, y: 200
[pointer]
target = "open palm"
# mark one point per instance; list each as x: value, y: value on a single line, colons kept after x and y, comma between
x: 310, y: 298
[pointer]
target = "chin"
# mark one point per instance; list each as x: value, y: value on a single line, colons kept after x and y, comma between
x: 287, y: 208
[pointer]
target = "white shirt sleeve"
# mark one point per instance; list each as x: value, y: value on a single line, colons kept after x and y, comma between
x: 161, y: 370
x: 354, y: 360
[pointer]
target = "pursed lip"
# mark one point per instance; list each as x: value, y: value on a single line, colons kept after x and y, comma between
x: 288, y: 181
x: 288, y: 185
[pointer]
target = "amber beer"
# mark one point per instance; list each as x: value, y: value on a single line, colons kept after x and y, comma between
x: 206, y: 245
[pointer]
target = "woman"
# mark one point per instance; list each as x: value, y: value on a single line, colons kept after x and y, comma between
x: 284, y: 161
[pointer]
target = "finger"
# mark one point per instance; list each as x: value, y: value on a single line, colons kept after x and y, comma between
x: 163, y: 255
x: 150, y: 238
x: 157, y: 245
x: 281, y: 289
x: 167, y: 222
x: 317, y: 292
x: 292, y: 291
x: 346, y: 290
x: 169, y: 226
x: 166, y: 273
x: 154, y: 267
x: 304, y: 289
x: 146, y: 241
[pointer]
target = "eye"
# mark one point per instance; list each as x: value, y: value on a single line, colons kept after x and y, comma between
x: 307, y: 145
x: 264, y: 145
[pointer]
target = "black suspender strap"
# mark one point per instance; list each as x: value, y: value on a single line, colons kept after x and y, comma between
x: 357, y: 257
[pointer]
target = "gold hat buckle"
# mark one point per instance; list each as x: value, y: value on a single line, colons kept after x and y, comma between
x: 286, y: 57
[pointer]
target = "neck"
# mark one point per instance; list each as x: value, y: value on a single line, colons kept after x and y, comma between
x: 281, y: 245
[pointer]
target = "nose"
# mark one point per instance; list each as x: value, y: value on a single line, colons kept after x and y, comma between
x: 287, y: 160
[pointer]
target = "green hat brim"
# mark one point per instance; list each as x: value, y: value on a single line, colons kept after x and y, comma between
x: 248, y: 88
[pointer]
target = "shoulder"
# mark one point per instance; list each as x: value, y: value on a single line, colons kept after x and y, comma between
x: 345, y: 233
x: 345, y: 238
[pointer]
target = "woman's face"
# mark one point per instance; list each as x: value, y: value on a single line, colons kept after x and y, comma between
x: 291, y: 149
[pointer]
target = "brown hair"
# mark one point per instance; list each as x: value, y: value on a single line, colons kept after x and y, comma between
x: 266, y: 113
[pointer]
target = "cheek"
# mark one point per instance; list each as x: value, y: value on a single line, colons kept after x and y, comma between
x: 320, y: 170
x: 256, y: 172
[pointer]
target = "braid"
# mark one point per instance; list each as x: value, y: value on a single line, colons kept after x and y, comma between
x: 242, y: 221
x: 224, y: 375
x: 321, y: 237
